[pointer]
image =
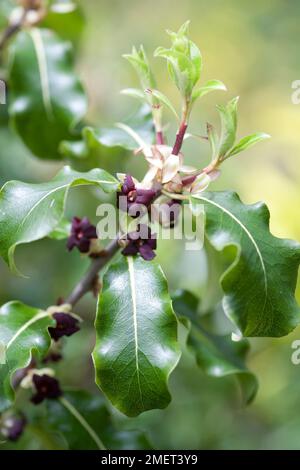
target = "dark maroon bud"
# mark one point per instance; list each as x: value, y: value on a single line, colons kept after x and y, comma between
x: 134, y: 197
x: 82, y: 232
x: 21, y: 373
x: 12, y: 426
x: 169, y: 213
x: 52, y: 357
x: 46, y: 387
x: 141, y: 241
x: 128, y: 185
x: 66, y: 325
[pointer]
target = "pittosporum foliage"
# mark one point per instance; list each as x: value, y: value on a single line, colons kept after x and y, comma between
x: 136, y: 319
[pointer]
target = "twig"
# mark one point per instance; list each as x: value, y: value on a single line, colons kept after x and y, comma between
x: 11, y: 30
x: 87, y: 282
x: 160, y: 138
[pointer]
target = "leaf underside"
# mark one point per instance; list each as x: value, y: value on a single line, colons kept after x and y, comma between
x: 216, y: 355
x: 87, y: 421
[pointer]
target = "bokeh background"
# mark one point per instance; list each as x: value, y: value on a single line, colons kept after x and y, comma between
x: 253, y: 47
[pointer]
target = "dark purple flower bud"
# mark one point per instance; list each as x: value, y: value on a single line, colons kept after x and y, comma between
x: 169, y: 213
x: 46, y: 387
x: 52, y: 357
x: 12, y: 426
x: 82, y: 232
x: 141, y: 241
x: 134, y: 197
x: 66, y: 325
x: 21, y: 373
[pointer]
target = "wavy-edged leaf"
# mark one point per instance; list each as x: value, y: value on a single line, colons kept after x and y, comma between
x: 46, y: 98
x: 136, y: 347
x: 216, y: 355
x: 259, y: 284
x: 23, y: 332
x: 247, y: 142
x: 29, y: 212
x: 84, y: 421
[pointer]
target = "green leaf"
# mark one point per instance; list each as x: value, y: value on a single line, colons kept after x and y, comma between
x: 216, y: 355
x: 247, y: 142
x: 84, y: 421
x: 46, y: 98
x: 135, y: 93
x: 141, y: 123
x: 6, y: 8
x: 23, y: 332
x: 66, y: 19
x: 29, y: 212
x: 61, y: 231
x: 211, y: 85
x: 184, y: 61
x: 228, y: 114
x: 164, y: 100
x: 259, y: 284
x: 136, y: 348
x: 139, y: 61
x: 213, y: 139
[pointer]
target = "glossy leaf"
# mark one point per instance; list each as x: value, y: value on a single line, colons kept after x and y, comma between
x: 23, y: 332
x: 259, y: 284
x: 46, y: 98
x: 228, y: 114
x: 247, y: 142
x: 29, y: 212
x: 216, y: 355
x: 84, y: 421
x: 136, y: 347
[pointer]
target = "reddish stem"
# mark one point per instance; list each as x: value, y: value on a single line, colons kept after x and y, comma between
x: 188, y: 180
x: 179, y: 138
x: 160, y: 138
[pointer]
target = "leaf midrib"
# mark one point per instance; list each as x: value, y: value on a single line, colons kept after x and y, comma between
x: 83, y: 422
x: 134, y: 316
x: 26, y: 325
x: 43, y: 70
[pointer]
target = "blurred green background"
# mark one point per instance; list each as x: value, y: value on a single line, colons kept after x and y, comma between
x: 253, y: 48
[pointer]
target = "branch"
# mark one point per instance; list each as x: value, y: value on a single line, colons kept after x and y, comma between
x: 87, y: 282
x: 15, y: 27
x: 11, y: 30
x: 181, y: 131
